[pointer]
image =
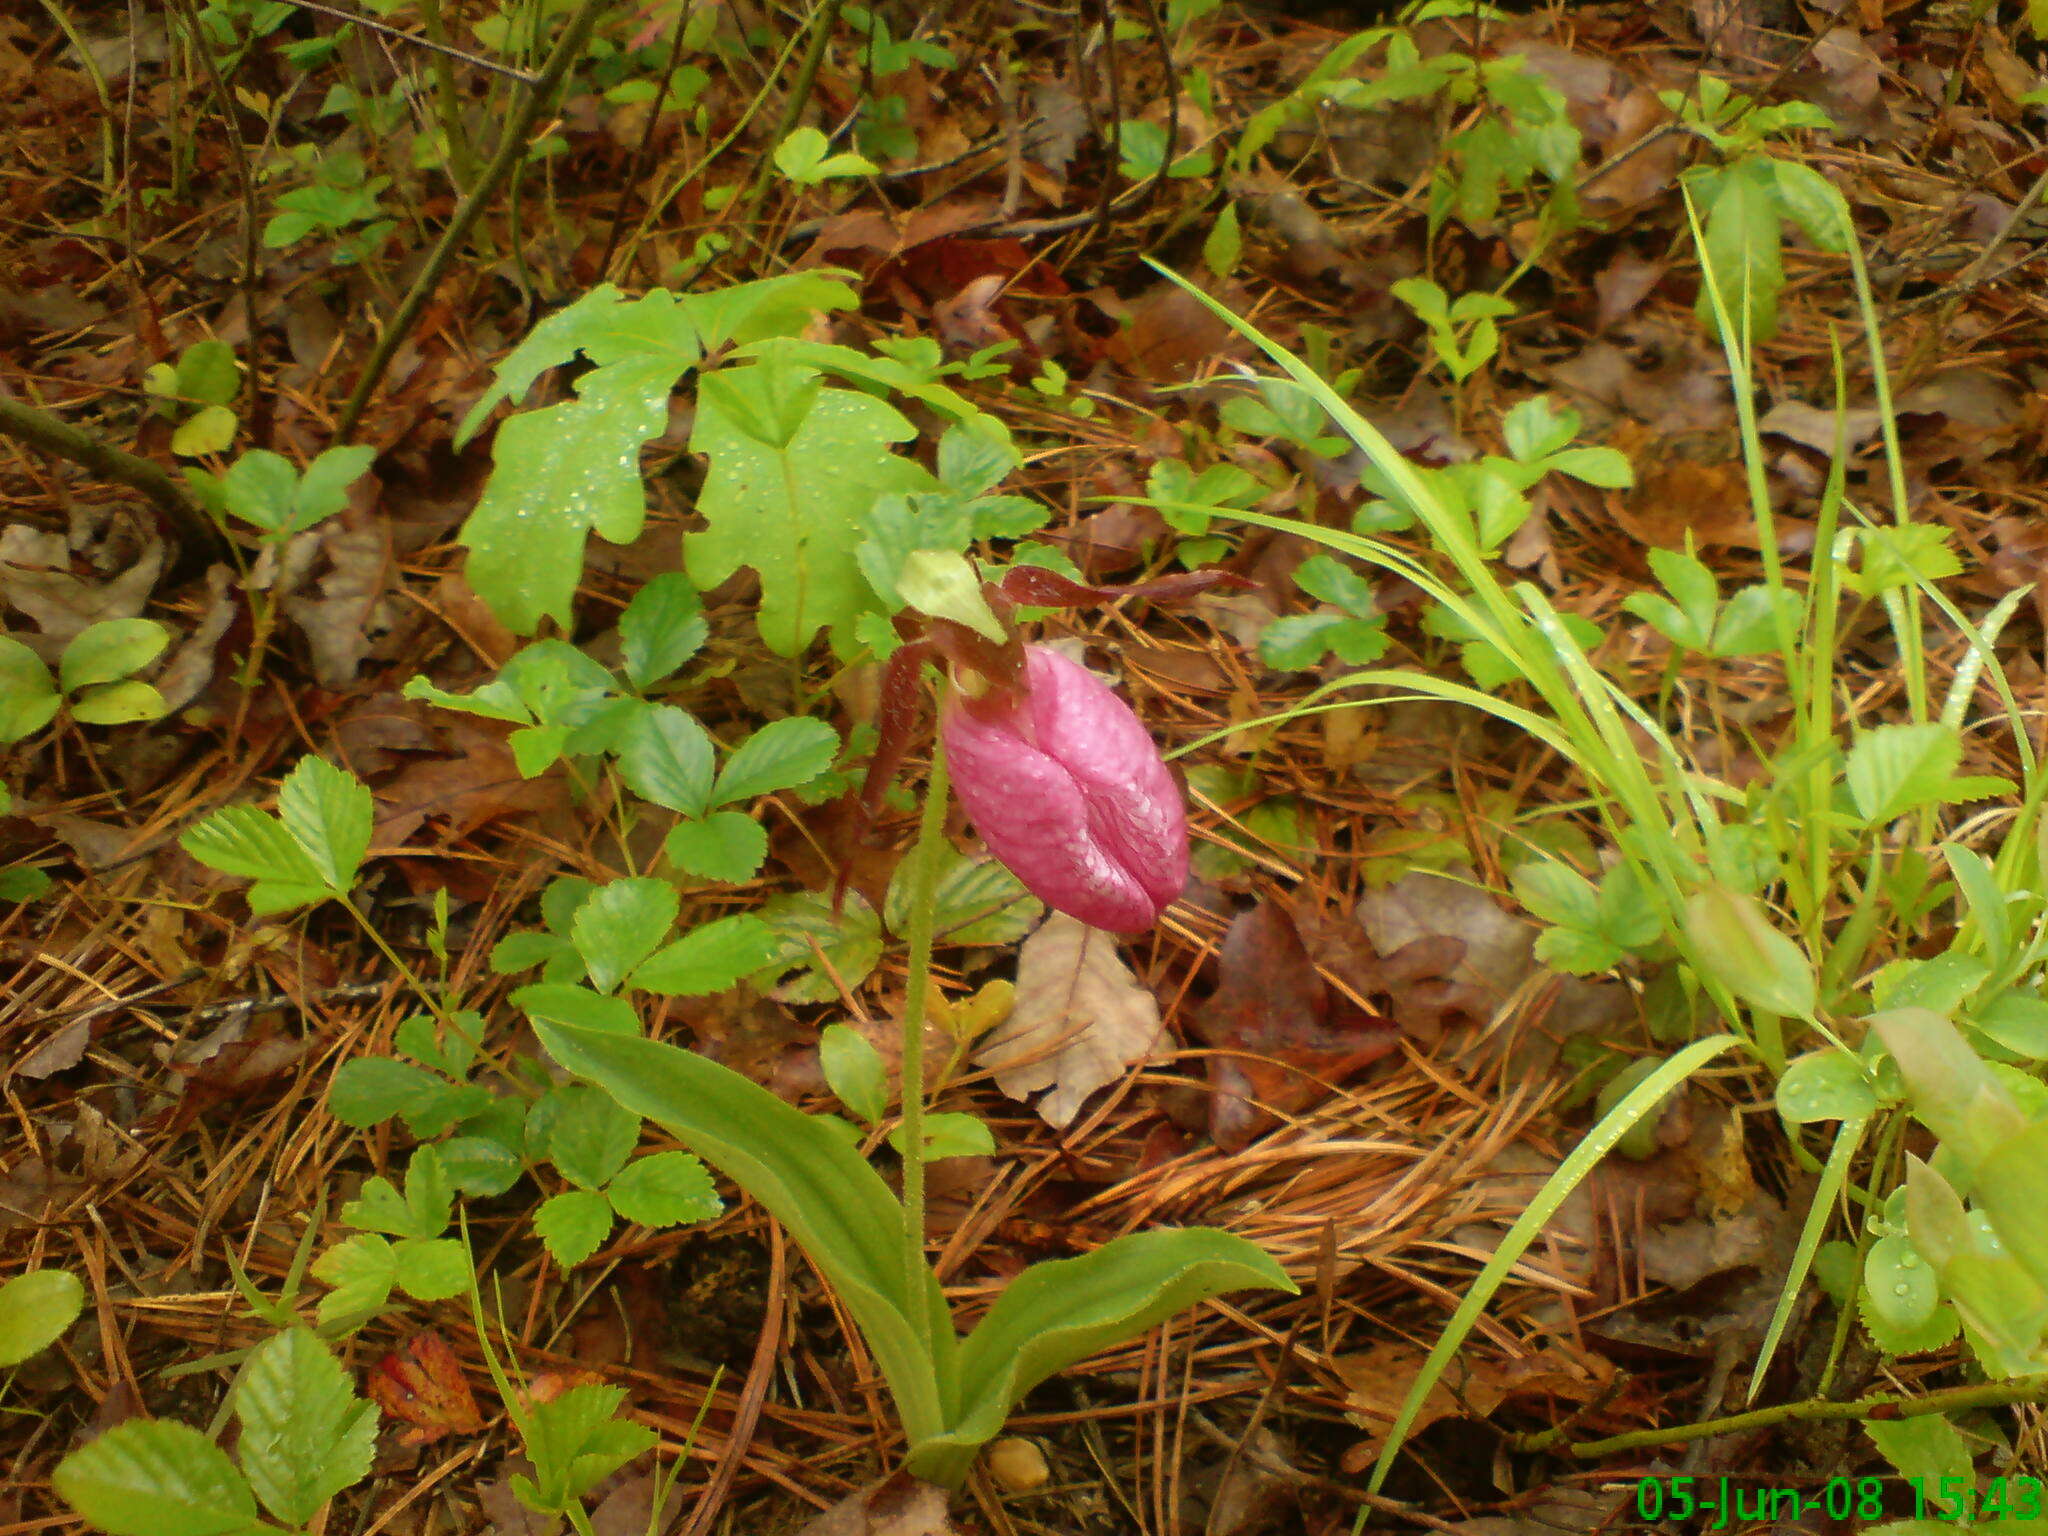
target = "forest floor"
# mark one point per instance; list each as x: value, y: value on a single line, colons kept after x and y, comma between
x: 1364, y: 1063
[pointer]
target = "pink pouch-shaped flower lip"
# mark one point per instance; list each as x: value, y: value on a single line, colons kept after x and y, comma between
x: 1066, y: 788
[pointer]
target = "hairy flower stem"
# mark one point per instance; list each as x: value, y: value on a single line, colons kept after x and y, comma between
x: 924, y: 880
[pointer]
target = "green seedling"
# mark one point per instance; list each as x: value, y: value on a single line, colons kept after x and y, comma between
x: 94, y: 680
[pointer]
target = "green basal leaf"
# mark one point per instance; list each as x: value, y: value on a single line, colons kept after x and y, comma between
x: 35, y: 1310
x: 1063, y: 1311
x: 820, y: 1188
x: 157, y: 1477
x: 305, y: 1433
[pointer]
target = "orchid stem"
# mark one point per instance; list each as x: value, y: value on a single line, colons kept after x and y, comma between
x: 924, y: 879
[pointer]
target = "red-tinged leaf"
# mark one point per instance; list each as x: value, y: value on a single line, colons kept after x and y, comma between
x: 1289, y: 1035
x: 423, y: 1385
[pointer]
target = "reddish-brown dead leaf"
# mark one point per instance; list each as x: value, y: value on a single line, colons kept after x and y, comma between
x: 422, y: 1385
x: 1287, y: 1034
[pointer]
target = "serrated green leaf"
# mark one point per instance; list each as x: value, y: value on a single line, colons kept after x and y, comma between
x: 559, y: 474
x: 1224, y: 243
x: 667, y: 757
x: 1298, y: 641
x: 241, y: 840
x: 156, y: 1477
x: 667, y: 1189
x: 709, y: 958
x: 769, y: 509
x: 726, y: 845
x: 329, y: 812
x: 661, y: 629
x: 607, y: 327
x: 110, y: 649
x: 480, y: 1166
x: 572, y: 1224
x: 1897, y: 769
x: 781, y: 755
x: 621, y: 925
x: 362, y: 1269
x: 372, y: 1089
x: 323, y: 489
x: 591, y: 1138
x: 574, y: 1443
x: 305, y: 1433
x: 122, y: 703
x: 35, y: 1310
x: 431, y: 1268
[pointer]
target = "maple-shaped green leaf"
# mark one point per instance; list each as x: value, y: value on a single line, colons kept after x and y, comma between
x: 788, y: 494
x: 561, y: 473
x: 605, y: 326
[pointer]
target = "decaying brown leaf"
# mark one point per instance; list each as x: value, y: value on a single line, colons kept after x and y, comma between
x: 422, y: 1385
x: 1079, y: 1022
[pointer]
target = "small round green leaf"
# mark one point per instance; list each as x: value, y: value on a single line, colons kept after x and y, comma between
x: 111, y: 649
x: 35, y: 1309
x: 1825, y: 1085
x: 1902, y: 1290
x: 118, y: 704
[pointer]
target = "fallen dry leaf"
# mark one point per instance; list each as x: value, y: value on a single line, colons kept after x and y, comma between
x: 1080, y: 1020
x: 1283, y: 1036
x: 423, y: 1385
x: 899, y: 1505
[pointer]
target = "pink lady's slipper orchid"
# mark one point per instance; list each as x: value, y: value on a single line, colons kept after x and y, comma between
x: 1068, y: 791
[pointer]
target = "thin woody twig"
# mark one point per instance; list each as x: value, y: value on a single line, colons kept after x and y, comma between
x: 512, y: 148
x: 475, y: 61
x: 39, y: 429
